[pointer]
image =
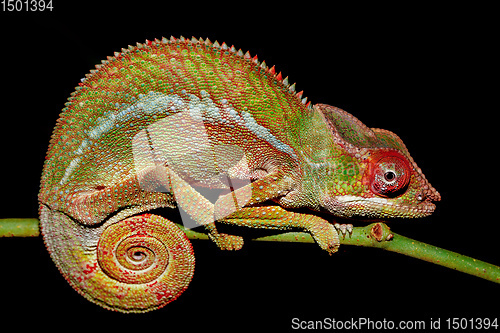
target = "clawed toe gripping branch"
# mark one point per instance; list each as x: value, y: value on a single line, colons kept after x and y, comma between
x: 377, y: 235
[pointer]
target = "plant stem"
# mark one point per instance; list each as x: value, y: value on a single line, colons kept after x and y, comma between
x: 19, y: 228
x: 379, y: 235
x: 376, y: 235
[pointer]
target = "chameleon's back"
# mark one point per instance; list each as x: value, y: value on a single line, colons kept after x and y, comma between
x: 148, y: 87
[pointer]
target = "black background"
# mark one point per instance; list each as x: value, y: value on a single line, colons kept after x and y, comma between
x: 426, y: 73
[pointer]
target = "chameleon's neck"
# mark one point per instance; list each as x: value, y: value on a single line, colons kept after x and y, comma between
x: 317, y: 147
x: 327, y: 169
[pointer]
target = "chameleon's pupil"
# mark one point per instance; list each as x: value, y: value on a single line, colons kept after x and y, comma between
x: 389, y: 176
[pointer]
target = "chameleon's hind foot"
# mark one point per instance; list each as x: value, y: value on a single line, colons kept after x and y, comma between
x: 344, y: 228
x: 227, y: 242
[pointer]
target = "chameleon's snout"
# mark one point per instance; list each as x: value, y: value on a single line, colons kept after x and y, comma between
x: 434, y: 196
x: 428, y: 193
x: 424, y: 205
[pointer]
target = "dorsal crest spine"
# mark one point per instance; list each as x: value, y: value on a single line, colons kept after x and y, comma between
x: 262, y: 66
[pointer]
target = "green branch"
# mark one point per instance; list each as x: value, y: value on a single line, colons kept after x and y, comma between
x: 19, y: 228
x: 380, y: 236
x: 376, y: 235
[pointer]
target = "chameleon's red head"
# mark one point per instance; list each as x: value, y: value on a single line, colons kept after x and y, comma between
x: 390, y: 182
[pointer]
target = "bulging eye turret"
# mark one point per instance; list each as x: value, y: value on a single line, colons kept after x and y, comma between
x: 390, y: 175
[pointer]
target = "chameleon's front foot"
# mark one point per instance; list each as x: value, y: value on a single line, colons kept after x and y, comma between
x: 226, y: 242
x: 326, y: 235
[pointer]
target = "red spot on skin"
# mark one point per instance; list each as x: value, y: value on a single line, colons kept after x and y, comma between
x: 90, y: 268
x: 120, y: 296
x: 119, y: 292
x: 162, y: 294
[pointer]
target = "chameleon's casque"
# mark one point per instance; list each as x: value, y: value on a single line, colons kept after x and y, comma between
x: 203, y: 127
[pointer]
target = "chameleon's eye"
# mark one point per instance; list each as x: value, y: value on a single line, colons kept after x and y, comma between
x: 390, y: 176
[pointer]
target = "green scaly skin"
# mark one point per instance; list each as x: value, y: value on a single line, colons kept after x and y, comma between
x: 158, y: 124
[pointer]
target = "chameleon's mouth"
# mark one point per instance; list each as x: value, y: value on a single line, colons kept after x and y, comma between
x: 352, y: 206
